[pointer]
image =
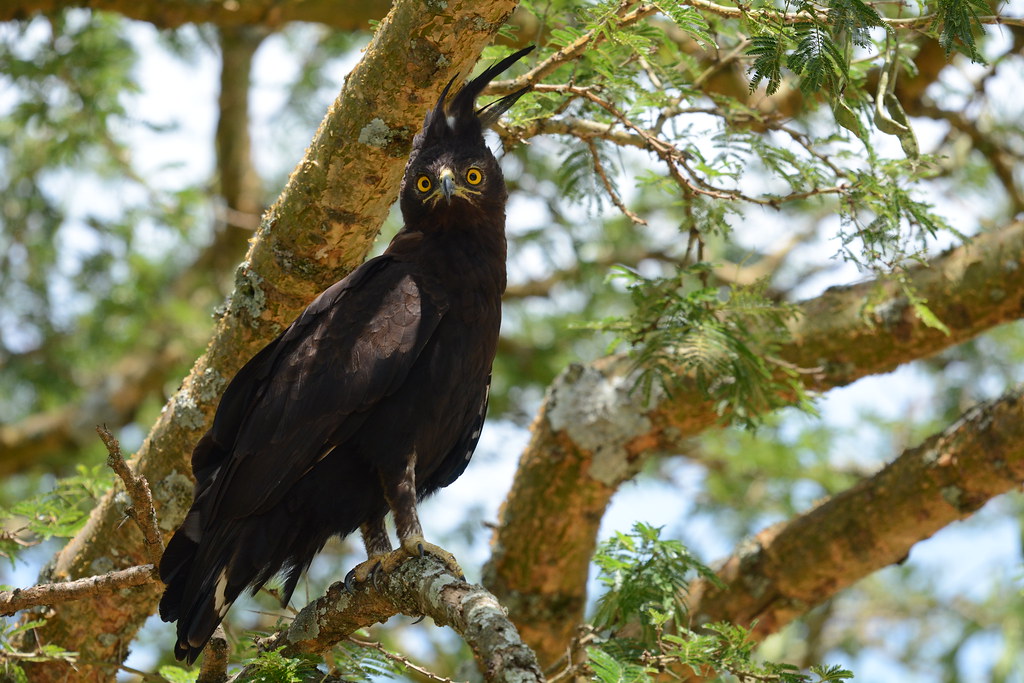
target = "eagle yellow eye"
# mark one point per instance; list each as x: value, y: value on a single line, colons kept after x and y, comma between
x: 474, y: 176
x: 423, y: 184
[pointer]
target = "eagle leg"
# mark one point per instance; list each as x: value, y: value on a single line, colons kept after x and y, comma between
x: 378, y: 548
x: 401, y: 497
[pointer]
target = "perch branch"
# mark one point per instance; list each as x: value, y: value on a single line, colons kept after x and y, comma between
x: 421, y: 586
x: 214, y: 668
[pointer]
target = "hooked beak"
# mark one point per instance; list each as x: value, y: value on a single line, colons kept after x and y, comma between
x: 447, y: 180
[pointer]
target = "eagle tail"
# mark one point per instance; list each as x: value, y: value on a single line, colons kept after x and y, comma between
x: 198, y: 609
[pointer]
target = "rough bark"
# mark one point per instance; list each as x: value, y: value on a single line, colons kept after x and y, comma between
x: 319, y: 229
x: 789, y: 568
x: 419, y: 587
x: 592, y: 433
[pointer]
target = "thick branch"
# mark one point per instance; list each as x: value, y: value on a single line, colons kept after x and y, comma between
x: 319, y: 229
x: 421, y: 586
x: 789, y: 568
x: 593, y: 432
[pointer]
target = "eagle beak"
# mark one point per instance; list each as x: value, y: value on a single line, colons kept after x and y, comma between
x: 447, y: 180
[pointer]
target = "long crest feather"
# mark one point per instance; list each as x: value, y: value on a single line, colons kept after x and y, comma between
x: 456, y: 116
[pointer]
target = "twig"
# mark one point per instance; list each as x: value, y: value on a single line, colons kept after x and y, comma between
x: 674, y: 159
x: 142, y: 510
x: 599, y: 168
x: 53, y: 593
x: 572, y: 50
x: 399, y: 659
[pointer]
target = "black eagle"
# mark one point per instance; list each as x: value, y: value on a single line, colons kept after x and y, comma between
x: 372, y: 399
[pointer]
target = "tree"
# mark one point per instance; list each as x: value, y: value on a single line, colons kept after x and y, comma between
x: 721, y: 162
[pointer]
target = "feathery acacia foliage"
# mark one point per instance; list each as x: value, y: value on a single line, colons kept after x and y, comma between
x: 646, y: 581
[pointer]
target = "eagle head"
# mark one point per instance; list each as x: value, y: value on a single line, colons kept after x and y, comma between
x: 450, y: 165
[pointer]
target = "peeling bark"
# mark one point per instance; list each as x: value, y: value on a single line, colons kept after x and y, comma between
x: 319, y: 229
x: 574, y: 463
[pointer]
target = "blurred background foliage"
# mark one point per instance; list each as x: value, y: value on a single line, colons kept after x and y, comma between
x: 124, y: 211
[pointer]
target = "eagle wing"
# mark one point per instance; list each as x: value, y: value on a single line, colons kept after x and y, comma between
x: 349, y: 349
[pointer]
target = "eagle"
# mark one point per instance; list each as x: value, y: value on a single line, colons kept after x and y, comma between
x: 373, y: 398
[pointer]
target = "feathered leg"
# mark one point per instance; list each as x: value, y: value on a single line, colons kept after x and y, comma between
x: 400, y: 493
x: 401, y: 496
x: 378, y: 547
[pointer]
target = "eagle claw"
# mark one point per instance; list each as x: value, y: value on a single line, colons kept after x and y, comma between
x: 364, y: 571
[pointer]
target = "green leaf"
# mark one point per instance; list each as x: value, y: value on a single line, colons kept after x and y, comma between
x: 176, y: 674
x: 769, y: 49
x: 958, y: 22
x: 608, y: 669
x: 646, y: 578
x: 817, y: 58
x: 847, y: 118
x: 855, y: 18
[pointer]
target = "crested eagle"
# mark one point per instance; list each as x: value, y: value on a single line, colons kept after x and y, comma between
x: 372, y: 399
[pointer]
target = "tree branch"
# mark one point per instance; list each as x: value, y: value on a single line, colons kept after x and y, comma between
x: 421, y: 586
x: 320, y: 228
x: 790, y: 568
x: 626, y: 16
x: 593, y: 432
x: 55, y: 593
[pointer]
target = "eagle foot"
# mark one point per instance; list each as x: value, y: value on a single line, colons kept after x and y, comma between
x: 377, y: 566
x: 416, y: 546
